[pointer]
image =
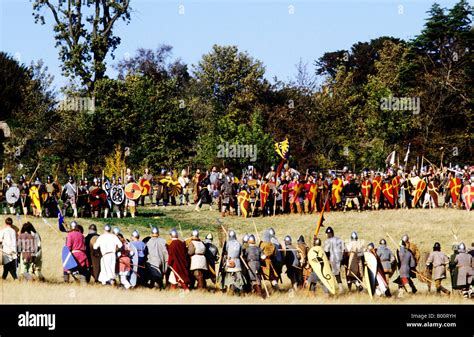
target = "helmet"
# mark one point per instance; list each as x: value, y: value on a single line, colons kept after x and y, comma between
x: 251, y: 238
x: 455, y: 247
x: 73, y: 225
x: 232, y: 235
x: 437, y: 246
x: 116, y: 230
x: 371, y: 245
x: 288, y: 239
x: 9, y: 177
x: 49, y: 178
x: 301, y: 239
x: 402, y: 243
x: 155, y: 230
x: 174, y: 233
x: 405, y: 238
x: 462, y: 248
x: 107, y: 228
x: 245, y: 238
x: 383, y: 242
x: 317, y: 242
x: 195, y: 233
x: 272, y: 231
x: 96, y: 180
x: 354, y: 236
x: 329, y: 230
x: 135, y: 234
x: 209, y: 237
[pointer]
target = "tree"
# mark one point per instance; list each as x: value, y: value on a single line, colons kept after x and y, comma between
x: 441, y: 55
x: 227, y: 87
x: 84, y: 34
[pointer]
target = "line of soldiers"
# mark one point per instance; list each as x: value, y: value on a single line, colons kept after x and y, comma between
x: 94, y: 198
x: 251, y: 195
x: 292, y: 192
x: 243, y: 267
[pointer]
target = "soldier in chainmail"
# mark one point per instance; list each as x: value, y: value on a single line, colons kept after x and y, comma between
x: 268, y: 258
x: 334, y: 249
x: 69, y: 196
x: 212, y: 256
x: 252, y: 256
x: 355, y: 268
x: 279, y: 257
x: 292, y: 263
x: 387, y: 258
x: 234, y: 281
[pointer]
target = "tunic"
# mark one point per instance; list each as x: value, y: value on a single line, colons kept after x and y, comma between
x: 407, y: 262
x: 9, y: 244
x: 252, y: 256
x: 439, y: 261
x: 125, y: 263
x: 464, y: 265
x: 108, y: 244
x: 157, y: 256
x: 197, y: 250
x: 177, y: 259
x: 386, y: 257
x: 76, y: 243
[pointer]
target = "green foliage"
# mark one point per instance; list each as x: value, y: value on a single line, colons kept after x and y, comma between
x: 168, y: 118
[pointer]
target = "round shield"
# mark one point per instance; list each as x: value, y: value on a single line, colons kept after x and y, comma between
x: 133, y: 191
x: 13, y: 194
x: 97, y: 197
x: 117, y: 195
x: 145, y: 186
x: 175, y: 188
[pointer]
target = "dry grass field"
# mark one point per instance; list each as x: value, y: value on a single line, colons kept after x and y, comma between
x: 423, y: 226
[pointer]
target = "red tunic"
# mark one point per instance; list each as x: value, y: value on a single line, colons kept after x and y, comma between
x: 177, y: 259
x: 76, y: 243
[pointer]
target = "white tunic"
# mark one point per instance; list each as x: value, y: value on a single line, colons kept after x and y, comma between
x: 198, y: 260
x: 9, y: 247
x: 108, y: 244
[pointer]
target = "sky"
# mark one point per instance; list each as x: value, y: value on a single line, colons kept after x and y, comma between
x: 278, y: 33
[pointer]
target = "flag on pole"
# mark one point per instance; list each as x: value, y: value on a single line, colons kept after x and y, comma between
x: 61, y: 222
x: 391, y: 158
x: 408, y: 152
x: 283, y: 149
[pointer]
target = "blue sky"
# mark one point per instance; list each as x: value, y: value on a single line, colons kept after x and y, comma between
x: 277, y: 32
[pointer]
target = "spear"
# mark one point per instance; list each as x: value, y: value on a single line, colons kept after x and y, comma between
x: 34, y: 173
x: 256, y: 231
x: 320, y: 220
x: 179, y: 277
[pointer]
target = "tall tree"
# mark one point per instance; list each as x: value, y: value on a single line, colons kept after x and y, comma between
x: 84, y: 34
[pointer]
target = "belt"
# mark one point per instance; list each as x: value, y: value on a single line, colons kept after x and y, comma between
x: 76, y: 251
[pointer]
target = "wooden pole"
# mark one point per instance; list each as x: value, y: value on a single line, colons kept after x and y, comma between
x: 179, y: 277
x: 256, y: 231
x: 256, y: 275
x: 36, y: 169
x: 320, y: 220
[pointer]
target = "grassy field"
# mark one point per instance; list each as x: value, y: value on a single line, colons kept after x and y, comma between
x: 423, y: 226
